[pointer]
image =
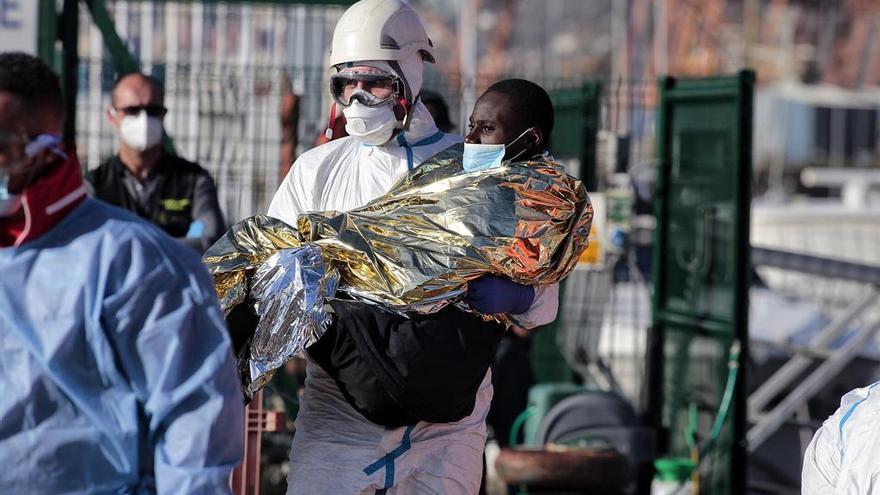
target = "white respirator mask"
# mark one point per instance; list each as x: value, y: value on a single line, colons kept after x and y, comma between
x: 371, y: 125
x: 141, y: 132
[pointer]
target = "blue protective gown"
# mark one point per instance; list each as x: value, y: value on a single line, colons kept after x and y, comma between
x: 116, y: 374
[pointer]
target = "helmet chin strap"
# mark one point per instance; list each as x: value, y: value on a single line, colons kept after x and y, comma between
x: 408, y: 109
x: 408, y: 100
x: 328, y: 133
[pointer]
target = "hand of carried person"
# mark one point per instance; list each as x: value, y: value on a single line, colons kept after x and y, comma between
x: 491, y: 294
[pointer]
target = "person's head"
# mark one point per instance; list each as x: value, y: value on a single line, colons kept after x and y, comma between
x: 513, y: 112
x: 378, y: 51
x: 136, y: 111
x: 31, y: 123
x: 436, y: 105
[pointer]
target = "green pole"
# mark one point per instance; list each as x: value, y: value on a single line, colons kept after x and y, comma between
x: 48, y: 33
x: 70, y: 66
x: 123, y: 61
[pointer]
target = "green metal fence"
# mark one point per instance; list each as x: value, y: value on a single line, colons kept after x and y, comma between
x: 700, y: 272
x: 577, y: 123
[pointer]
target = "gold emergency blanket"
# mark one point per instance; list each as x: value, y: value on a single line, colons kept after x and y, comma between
x: 415, y: 248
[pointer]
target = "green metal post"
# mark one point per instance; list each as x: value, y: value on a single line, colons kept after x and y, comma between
x: 739, y: 457
x: 123, y: 62
x: 70, y: 66
x: 591, y: 91
x: 48, y: 33
x: 577, y: 123
x: 701, y: 270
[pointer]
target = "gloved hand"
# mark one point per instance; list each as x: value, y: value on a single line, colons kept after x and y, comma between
x: 491, y: 294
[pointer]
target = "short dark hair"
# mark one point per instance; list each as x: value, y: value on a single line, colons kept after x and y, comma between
x: 32, y: 81
x: 530, y: 101
x: 152, y: 81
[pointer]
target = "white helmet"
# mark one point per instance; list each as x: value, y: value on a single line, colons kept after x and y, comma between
x: 386, y: 30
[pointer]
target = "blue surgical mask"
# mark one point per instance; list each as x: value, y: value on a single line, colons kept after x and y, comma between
x: 483, y: 156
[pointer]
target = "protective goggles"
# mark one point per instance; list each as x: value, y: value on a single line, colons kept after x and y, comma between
x: 370, y: 89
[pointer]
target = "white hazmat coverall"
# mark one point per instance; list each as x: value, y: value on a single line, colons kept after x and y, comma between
x: 335, y: 449
x: 842, y: 458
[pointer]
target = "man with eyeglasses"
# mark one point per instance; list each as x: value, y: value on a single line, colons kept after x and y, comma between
x: 116, y: 374
x: 177, y: 195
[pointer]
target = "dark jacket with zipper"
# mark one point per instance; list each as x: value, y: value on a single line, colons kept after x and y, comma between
x: 175, y: 194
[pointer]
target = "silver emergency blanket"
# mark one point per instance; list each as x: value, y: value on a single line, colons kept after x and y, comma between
x: 412, y: 250
x: 288, y: 292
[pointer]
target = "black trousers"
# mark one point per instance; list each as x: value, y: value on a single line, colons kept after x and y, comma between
x: 512, y: 377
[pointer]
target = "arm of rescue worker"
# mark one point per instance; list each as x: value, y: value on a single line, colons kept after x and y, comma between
x: 529, y: 306
x: 543, y: 309
x: 295, y: 191
x: 160, y: 311
x: 822, y: 460
x: 493, y: 294
x: 206, y: 214
x: 840, y: 456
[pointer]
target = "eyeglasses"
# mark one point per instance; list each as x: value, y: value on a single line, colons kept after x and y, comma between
x: 152, y: 110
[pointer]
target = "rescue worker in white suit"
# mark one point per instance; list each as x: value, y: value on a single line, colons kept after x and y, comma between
x: 378, y: 50
x: 842, y: 457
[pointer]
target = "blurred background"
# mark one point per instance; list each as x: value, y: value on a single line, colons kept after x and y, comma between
x: 246, y: 87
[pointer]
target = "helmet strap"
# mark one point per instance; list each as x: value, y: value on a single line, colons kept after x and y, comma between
x: 407, y: 91
x: 408, y: 113
x: 328, y: 133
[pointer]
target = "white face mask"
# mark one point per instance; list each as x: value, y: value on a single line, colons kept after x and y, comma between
x: 141, y: 132
x: 371, y: 125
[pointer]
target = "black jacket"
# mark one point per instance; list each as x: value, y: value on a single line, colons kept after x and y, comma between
x: 182, y: 192
x: 395, y: 370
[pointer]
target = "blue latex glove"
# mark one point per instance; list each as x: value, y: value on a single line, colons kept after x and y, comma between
x: 491, y: 294
x: 196, y: 229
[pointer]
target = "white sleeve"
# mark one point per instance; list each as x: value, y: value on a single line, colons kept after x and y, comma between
x: 842, y: 457
x: 294, y: 195
x: 822, y: 460
x: 544, y: 307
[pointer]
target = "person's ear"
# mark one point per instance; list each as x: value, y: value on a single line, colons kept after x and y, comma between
x: 535, y: 138
x: 112, y: 116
